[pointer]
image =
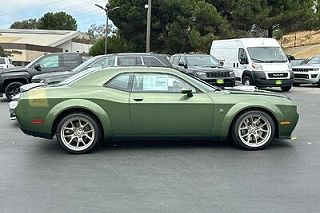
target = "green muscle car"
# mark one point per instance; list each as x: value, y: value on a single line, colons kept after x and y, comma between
x: 151, y: 103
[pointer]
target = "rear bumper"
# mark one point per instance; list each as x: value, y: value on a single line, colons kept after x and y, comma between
x: 36, y: 134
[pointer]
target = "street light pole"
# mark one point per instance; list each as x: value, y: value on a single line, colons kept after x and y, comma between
x: 148, y: 26
x: 106, y: 9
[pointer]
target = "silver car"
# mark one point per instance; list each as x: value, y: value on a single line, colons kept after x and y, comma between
x: 308, y: 72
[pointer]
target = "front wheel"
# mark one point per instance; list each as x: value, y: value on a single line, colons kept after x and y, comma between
x: 12, y: 89
x: 78, y: 133
x: 247, y: 81
x: 286, y: 89
x: 253, y: 130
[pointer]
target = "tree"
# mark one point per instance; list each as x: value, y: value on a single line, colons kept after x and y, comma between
x: 115, y: 45
x: 172, y: 23
x: 3, y: 53
x: 57, y: 21
x: 26, y: 24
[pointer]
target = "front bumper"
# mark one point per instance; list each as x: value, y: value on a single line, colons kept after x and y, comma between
x: 306, y: 78
x: 273, y: 82
x: 12, y: 106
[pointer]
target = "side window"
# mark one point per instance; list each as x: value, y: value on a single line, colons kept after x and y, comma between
x: 104, y: 62
x: 120, y: 82
x: 176, y: 60
x: 156, y: 82
x: 51, y: 61
x: 70, y: 60
x: 152, y: 61
x: 129, y: 61
x: 182, y: 60
x: 242, y: 56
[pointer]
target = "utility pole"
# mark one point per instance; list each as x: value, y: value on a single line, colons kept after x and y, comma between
x: 106, y: 9
x: 148, y: 6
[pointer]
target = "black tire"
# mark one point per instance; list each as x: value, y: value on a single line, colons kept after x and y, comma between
x: 286, y: 89
x: 71, y: 147
x: 12, y: 89
x: 246, y: 80
x: 296, y: 84
x: 252, y: 146
x: 319, y: 83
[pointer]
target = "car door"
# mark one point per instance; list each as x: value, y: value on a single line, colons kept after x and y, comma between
x: 158, y: 108
x: 242, y: 63
x: 50, y: 63
x: 116, y: 103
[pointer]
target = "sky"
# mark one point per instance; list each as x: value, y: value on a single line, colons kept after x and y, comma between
x: 84, y: 11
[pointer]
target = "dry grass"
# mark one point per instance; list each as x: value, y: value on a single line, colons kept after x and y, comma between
x: 302, y: 44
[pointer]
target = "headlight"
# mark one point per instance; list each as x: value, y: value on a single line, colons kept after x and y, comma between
x: 201, y: 74
x: 257, y: 66
x: 42, y: 81
x: 231, y: 74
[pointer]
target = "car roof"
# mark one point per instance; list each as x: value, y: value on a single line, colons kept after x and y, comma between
x: 140, y: 69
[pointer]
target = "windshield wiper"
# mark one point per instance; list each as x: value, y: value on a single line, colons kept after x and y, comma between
x: 258, y: 60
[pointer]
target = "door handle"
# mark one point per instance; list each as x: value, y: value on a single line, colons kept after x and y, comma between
x: 138, y: 99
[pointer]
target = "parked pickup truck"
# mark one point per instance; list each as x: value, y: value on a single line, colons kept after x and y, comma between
x: 5, y: 63
x: 12, y: 79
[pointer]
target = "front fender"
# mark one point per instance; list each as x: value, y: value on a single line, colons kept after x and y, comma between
x: 81, y: 104
x: 240, y: 107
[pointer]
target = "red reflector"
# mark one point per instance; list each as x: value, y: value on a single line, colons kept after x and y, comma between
x: 38, y: 121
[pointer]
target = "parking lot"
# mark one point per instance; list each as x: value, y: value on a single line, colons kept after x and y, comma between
x: 38, y: 176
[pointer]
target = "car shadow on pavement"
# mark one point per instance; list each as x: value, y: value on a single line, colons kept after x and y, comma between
x: 51, y: 147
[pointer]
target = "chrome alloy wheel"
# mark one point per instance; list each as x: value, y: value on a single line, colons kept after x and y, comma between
x: 77, y: 134
x: 254, y: 130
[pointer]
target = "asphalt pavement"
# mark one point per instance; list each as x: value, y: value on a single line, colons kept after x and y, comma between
x: 36, y: 175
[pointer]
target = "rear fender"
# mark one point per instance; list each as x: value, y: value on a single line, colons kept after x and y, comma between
x: 81, y: 104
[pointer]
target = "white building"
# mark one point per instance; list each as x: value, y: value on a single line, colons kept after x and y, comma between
x: 25, y: 45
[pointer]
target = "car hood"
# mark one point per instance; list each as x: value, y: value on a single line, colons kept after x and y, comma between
x: 12, y: 70
x: 28, y: 87
x: 307, y: 66
x: 251, y: 90
x: 53, y: 74
x: 208, y: 69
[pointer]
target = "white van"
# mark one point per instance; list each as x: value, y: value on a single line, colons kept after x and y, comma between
x: 255, y: 61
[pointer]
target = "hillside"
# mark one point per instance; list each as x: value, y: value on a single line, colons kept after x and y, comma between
x: 302, y: 44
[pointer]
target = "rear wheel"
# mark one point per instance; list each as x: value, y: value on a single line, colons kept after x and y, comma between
x: 253, y: 130
x: 286, y: 89
x: 246, y: 80
x: 12, y: 89
x: 78, y: 133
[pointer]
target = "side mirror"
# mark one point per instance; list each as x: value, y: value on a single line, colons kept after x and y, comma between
x: 37, y: 67
x: 221, y: 63
x: 244, y: 61
x: 181, y: 64
x: 188, y: 92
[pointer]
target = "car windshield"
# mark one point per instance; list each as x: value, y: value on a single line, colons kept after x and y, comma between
x: 314, y: 60
x: 267, y: 55
x: 2, y: 61
x: 202, y: 61
x: 76, y: 77
x: 34, y: 62
x: 84, y: 64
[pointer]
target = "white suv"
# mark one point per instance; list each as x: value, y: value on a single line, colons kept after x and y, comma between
x: 308, y: 72
x: 5, y: 63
